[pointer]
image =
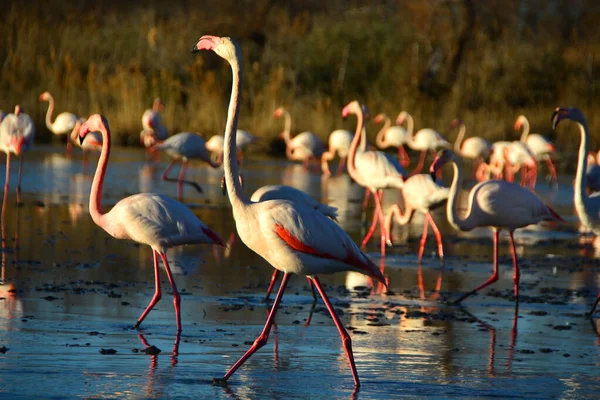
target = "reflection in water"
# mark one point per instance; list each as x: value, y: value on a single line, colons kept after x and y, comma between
x: 12, y: 307
x: 151, y: 386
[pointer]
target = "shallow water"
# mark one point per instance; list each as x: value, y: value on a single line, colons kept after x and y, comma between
x: 70, y: 290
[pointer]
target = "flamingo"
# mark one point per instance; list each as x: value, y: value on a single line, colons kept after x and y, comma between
x: 153, y: 130
x: 421, y: 193
x: 339, y: 142
x: 16, y: 136
x: 305, y: 146
x: 519, y: 157
x: 243, y: 139
x: 185, y: 146
x: 92, y: 142
x: 292, y: 237
x: 147, y: 218
x: 474, y: 148
x: 63, y: 123
x: 540, y: 147
x: 374, y: 170
x: 392, y: 136
x: 587, y: 207
x: 592, y: 180
x: 425, y: 139
x: 497, y: 204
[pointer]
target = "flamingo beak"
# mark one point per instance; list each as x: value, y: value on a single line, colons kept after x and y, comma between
x: 206, y: 42
x: 224, y: 186
x: 83, y: 131
x: 215, y: 238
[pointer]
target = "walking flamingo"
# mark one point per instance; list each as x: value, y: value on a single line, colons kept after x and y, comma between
x: 474, y: 148
x: 392, y: 136
x: 373, y: 170
x: 243, y: 139
x: 424, y: 140
x: 420, y: 193
x: 147, y: 218
x: 183, y: 147
x: 63, y: 123
x: 16, y: 136
x: 540, y: 147
x: 292, y: 237
x: 587, y: 207
x: 339, y: 142
x: 305, y: 146
x: 497, y: 204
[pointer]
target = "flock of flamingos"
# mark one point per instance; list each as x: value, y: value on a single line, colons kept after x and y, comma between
x: 292, y: 231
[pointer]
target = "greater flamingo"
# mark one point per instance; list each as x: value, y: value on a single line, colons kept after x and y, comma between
x: 63, y: 123
x: 183, y: 147
x: 587, y: 207
x: 243, y: 139
x: 153, y: 131
x: 420, y: 193
x: 339, y: 142
x: 16, y: 136
x: 497, y: 204
x: 540, y: 147
x: 147, y: 218
x: 292, y: 237
x: 374, y: 170
x: 392, y: 136
x: 305, y: 146
x: 92, y: 141
x: 424, y: 140
x: 474, y: 148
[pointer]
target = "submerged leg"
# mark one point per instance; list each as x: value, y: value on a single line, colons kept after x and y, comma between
x: 176, y: 296
x: 346, y: 341
x: 492, y: 278
x: 157, y: 292
x: 261, y: 340
x: 517, y: 272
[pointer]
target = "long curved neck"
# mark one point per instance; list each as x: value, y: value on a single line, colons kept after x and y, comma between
x: 75, y: 131
x: 525, y: 133
x: 95, y: 205
x: 49, y: 112
x: 287, y: 126
x: 379, y: 139
x: 461, y: 135
x: 230, y: 164
x: 580, y: 176
x: 410, y: 126
x: 359, y: 135
x: 452, y: 205
x: 395, y: 213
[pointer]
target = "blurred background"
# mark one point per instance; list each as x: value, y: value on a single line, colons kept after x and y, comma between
x: 482, y: 61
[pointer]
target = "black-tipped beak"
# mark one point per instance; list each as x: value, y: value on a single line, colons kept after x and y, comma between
x: 81, y: 139
x: 194, y: 50
x: 224, y: 186
x: 554, y: 119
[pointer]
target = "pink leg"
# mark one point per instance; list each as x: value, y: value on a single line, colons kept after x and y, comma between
x: 374, y: 223
x: 19, y: 179
x: 494, y: 276
x: 164, y: 175
x: 420, y: 164
x: 346, y: 341
x: 314, y: 303
x: 517, y: 272
x: 6, y: 188
x: 438, y: 236
x: 263, y: 337
x: 552, y: 169
x: 382, y: 230
x: 341, y: 165
x: 69, y: 146
x: 403, y: 157
x: 423, y: 239
x: 176, y: 296
x: 593, y: 309
x: 366, y: 197
x: 272, y: 283
x: 157, y: 292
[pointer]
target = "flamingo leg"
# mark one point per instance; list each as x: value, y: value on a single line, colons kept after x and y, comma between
x: 420, y: 164
x: 423, y: 239
x: 176, y: 295
x: 157, y: 291
x: 593, y: 309
x: 374, y: 222
x: 261, y: 340
x: 552, y: 169
x: 4, y: 201
x: 382, y: 229
x: 366, y: 197
x: 164, y: 176
x: 272, y: 283
x: 438, y: 236
x: 517, y: 272
x: 403, y: 156
x: 314, y: 303
x: 19, y: 179
x: 341, y: 165
x: 346, y: 341
x: 492, y: 278
x: 69, y: 146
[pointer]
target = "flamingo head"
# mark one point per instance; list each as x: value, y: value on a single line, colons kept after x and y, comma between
x: 441, y: 158
x: 224, y: 184
x: 224, y: 47
x: 572, y: 113
x: 158, y: 105
x: 379, y: 118
x: 521, y: 119
x: 456, y: 123
x: 45, y: 96
x: 401, y: 118
x: 354, y: 107
x: 94, y: 123
x: 279, y: 112
x: 18, y: 109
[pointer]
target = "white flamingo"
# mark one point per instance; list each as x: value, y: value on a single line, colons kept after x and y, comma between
x: 374, y: 170
x: 16, y: 137
x: 420, y: 193
x: 63, y: 123
x: 243, y: 139
x: 92, y: 141
x: 540, y: 147
x: 148, y: 218
x: 392, y: 136
x: 153, y: 131
x: 305, y: 146
x: 339, y: 142
x: 497, y: 204
x: 424, y: 140
x: 292, y: 237
x: 474, y: 148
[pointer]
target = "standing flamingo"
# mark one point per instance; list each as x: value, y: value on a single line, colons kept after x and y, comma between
x: 64, y: 122
x: 339, y: 142
x: 292, y: 237
x: 421, y: 193
x: 497, y: 204
x: 374, y: 170
x: 540, y: 147
x: 243, y: 139
x: 305, y: 146
x: 587, y: 207
x: 424, y: 140
x: 474, y: 148
x: 147, y: 218
x: 92, y: 142
x: 392, y: 136
x: 16, y: 136
x: 183, y: 147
